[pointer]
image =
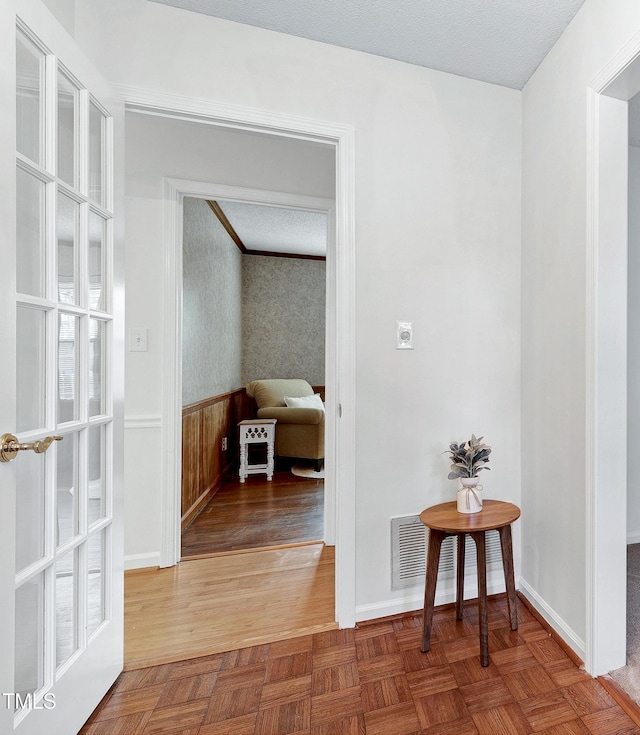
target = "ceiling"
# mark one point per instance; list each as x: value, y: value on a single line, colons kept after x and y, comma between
x: 497, y: 41
x: 282, y: 230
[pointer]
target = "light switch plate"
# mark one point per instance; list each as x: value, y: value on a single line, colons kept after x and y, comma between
x: 404, y: 335
x: 138, y: 339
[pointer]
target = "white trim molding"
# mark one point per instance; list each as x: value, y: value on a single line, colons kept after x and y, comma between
x: 569, y: 636
x: 212, y: 112
x: 175, y: 190
x: 606, y: 345
x: 212, y: 190
x: 143, y: 422
x: 387, y: 608
x: 340, y: 375
x: 413, y: 601
x: 142, y: 561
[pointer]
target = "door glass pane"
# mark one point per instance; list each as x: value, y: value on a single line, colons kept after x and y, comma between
x: 29, y: 87
x: 30, y: 227
x: 66, y: 229
x: 97, y: 504
x: 30, y: 509
x: 96, y: 367
x: 96, y: 611
x: 97, y: 228
x: 30, y: 368
x: 68, y: 368
x: 67, y: 488
x: 66, y: 605
x: 29, y: 667
x: 66, y: 129
x: 96, y: 143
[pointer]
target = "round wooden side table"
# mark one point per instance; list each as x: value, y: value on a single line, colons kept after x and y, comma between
x: 444, y: 520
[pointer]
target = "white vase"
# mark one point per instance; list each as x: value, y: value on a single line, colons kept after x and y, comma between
x: 469, y: 497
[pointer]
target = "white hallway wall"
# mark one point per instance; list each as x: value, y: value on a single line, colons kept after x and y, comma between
x: 554, y: 307
x: 437, y: 242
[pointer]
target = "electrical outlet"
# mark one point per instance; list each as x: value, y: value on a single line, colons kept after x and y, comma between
x: 404, y: 335
x: 225, y: 443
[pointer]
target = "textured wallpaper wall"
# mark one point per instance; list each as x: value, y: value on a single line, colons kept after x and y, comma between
x: 283, y: 318
x: 212, y: 306
x: 245, y: 316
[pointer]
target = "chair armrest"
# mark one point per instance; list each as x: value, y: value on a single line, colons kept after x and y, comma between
x: 286, y: 415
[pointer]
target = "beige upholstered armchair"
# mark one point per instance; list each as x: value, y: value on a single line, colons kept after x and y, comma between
x: 300, y: 427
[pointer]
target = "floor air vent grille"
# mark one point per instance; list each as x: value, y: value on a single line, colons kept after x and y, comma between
x: 409, y: 549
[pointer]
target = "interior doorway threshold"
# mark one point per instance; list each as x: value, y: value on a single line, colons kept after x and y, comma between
x: 233, y: 552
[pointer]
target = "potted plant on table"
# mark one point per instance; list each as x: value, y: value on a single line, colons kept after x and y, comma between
x: 467, y: 460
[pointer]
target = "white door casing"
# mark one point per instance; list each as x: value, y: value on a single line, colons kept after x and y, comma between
x: 340, y: 346
x: 606, y: 334
x: 174, y: 192
x: 60, y: 512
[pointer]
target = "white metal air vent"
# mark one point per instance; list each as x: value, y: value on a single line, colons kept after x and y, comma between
x: 409, y: 550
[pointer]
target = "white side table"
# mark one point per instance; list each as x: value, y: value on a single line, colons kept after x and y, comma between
x: 256, y: 431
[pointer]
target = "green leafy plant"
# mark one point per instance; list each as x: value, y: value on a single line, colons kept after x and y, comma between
x: 468, y: 458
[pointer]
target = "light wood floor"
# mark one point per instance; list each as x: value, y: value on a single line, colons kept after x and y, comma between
x: 207, y: 606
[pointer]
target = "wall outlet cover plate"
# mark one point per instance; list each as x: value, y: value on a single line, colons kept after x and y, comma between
x: 404, y: 335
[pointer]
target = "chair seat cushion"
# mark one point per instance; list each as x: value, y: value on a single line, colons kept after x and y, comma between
x: 285, y: 415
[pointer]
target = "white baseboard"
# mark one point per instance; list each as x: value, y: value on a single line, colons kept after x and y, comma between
x: 139, y: 561
x: 570, y: 637
x: 413, y: 600
x: 384, y: 608
x: 633, y: 538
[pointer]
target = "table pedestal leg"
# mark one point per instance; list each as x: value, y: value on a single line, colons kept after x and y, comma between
x: 481, y: 552
x: 461, y: 538
x: 433, y: 561
x: 507, y: 565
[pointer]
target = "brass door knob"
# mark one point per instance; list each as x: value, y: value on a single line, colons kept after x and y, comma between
x: 10, y: 446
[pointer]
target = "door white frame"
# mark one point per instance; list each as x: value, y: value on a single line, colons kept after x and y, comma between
x: 174, y: 192
x: 340, y: 376
x: 606, y: 349
x: 82, y: 680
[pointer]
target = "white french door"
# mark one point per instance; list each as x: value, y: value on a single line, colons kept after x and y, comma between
x: 60, y: 514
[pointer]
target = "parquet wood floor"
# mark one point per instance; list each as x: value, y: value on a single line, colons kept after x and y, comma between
x: 258, y: 514
x: 372, y: 681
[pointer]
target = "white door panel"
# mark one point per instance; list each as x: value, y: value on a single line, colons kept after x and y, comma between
x: 61, y: 578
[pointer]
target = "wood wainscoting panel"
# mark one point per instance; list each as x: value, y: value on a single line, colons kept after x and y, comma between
x: 191, y: 453
x: 211, y: 431
x: 204, y: 462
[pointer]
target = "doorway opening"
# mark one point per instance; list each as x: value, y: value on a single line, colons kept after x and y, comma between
x: 253, y: 307
x: 340, y: 363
